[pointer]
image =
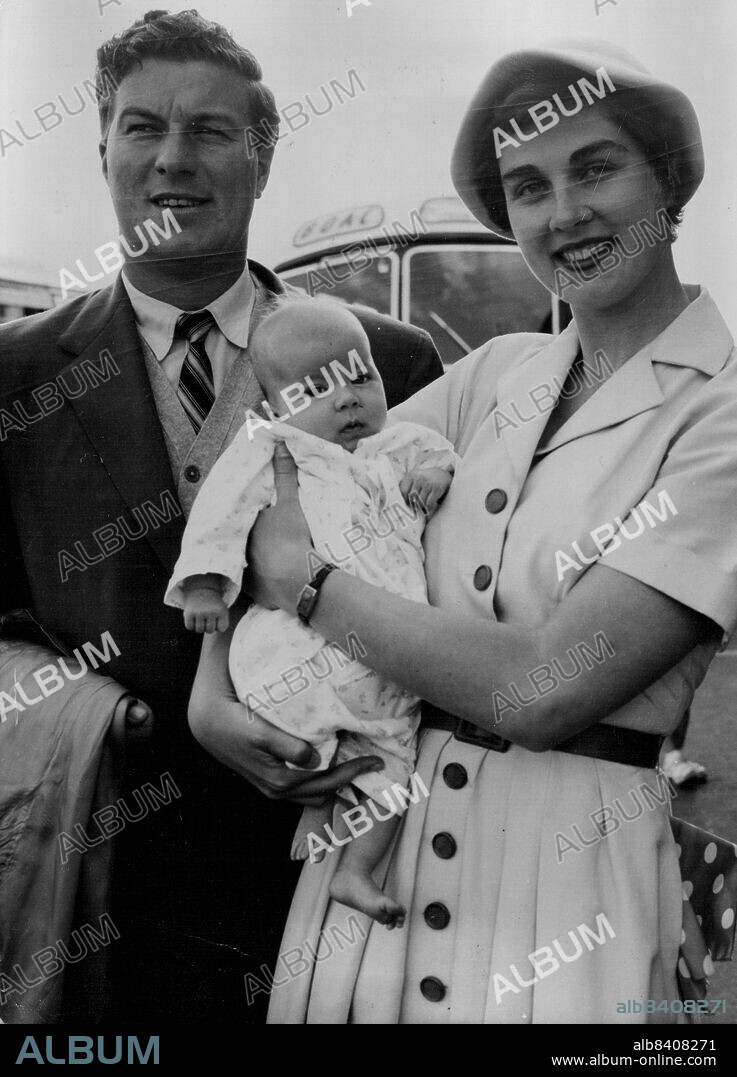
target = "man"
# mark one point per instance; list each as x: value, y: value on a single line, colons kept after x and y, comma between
x: 100, y: 474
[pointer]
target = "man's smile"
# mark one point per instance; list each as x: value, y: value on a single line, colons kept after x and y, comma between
x: 178, y: 201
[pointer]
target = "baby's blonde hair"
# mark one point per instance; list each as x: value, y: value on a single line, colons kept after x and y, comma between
x: 282, y: 304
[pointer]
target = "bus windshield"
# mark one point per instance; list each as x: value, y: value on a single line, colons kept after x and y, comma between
x: 375, y: 285
x: 463, y: 295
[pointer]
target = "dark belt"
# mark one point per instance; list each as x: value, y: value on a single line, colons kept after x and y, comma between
x: 609, y: 742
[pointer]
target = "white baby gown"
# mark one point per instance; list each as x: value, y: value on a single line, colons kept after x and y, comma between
x: 285, y: 671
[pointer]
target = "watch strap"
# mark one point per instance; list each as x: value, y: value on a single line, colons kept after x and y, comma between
x: 310, y: 592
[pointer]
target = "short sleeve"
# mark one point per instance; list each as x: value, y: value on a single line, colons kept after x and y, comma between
x: 239, y: 485
x: 681, y: 538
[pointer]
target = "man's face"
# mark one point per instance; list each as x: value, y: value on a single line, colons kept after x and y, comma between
x: 177, y: 138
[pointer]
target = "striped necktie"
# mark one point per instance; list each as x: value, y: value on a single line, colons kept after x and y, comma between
x: 196, y: 390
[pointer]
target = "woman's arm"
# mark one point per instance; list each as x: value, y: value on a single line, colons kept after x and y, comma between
x: 627, y: 633
x: 624, y: 633
x: 247, y: 744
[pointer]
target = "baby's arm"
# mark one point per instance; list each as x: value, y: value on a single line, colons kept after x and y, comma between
x: 425, y: 487
x: 239, y: 485
x: 424, y: 463
x: 205, y: 610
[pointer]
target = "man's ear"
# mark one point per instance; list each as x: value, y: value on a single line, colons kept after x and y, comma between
x: 265, y: 156
x: 102, y: 148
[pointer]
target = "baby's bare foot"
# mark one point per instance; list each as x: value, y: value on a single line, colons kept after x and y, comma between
x: 358, y: 890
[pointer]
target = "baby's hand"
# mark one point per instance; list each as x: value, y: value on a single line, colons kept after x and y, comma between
x: 205, y: 611
x: 425, y: 487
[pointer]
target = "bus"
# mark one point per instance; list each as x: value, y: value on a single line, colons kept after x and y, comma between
x: 435, y: 266
x: 25, y: 292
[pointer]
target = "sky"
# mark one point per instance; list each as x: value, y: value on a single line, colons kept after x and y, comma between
x: 419, y: 61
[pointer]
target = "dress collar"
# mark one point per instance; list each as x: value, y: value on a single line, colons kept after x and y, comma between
x: 698, y: 338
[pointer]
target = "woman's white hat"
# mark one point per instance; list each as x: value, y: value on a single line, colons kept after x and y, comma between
x: 474, y: 165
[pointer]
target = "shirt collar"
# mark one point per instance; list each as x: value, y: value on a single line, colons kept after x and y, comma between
x: 157, y: 320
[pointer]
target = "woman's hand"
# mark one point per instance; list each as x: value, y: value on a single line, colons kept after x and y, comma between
x: 280, y: 543
x: 252, y: 747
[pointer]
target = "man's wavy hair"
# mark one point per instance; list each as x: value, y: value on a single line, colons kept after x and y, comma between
x: 182, y: 36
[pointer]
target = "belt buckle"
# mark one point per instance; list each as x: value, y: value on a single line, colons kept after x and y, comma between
x: 473, y: 734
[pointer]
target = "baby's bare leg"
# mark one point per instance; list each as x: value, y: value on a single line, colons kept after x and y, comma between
x: 353, y: 883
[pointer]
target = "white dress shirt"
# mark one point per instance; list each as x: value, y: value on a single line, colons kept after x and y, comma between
x: 156, y: 322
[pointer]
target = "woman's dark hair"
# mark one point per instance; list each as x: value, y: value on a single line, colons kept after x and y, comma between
x: 636, y: 111
x: 184, y: 35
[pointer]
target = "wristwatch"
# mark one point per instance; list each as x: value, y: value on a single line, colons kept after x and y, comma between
x: 309, y: 594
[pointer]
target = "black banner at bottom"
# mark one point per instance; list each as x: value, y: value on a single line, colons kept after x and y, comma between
x: 547, y: 1047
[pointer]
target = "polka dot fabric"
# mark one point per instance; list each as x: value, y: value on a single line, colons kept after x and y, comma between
x: 709, y: 875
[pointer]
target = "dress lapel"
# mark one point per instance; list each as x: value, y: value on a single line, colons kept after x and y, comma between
x: 119, y: 415
x: 518, y: 421
x: 628, y: 392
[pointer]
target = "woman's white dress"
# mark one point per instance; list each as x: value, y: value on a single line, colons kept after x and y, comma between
x: 544, y: 887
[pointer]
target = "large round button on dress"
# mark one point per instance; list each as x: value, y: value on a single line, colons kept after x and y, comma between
x: 444, y: 845
x: 482, y: 577
x: 432, y: 988
x: 192, y: 473
x: 495, y: 501
x: 437, y: 915
x: 455, y: 776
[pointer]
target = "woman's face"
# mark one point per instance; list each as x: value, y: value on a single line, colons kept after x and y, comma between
x: 585, y: 186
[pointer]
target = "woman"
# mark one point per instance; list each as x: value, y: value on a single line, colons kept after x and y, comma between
x: 582, y: 574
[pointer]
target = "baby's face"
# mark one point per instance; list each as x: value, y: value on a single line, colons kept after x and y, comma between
x: 334, y: 371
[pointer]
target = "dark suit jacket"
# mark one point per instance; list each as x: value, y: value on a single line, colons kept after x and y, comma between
x: 213, y: 869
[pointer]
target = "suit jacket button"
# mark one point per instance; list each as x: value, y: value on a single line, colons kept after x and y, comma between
x: 437, y: 916
x: 444, y: 845
x: 482, y: 577
x: 455, y: 776
x: 432, y: 988
x: 496, y: 500
x: 192, y: 473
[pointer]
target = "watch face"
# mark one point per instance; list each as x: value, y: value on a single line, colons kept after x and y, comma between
x: 308, y: 594
x: 306, y: 602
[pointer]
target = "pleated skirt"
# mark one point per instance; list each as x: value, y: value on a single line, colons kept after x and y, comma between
x: 541, y: 888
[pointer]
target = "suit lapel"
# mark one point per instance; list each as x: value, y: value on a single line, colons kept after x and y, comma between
x: 119, y: 415
x: 271, y: 282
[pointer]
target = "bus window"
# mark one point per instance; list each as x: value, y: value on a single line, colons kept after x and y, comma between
x: 464, y: 295
x: 374, y: 285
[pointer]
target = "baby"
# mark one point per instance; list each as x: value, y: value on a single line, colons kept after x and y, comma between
x: 325, y: 400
